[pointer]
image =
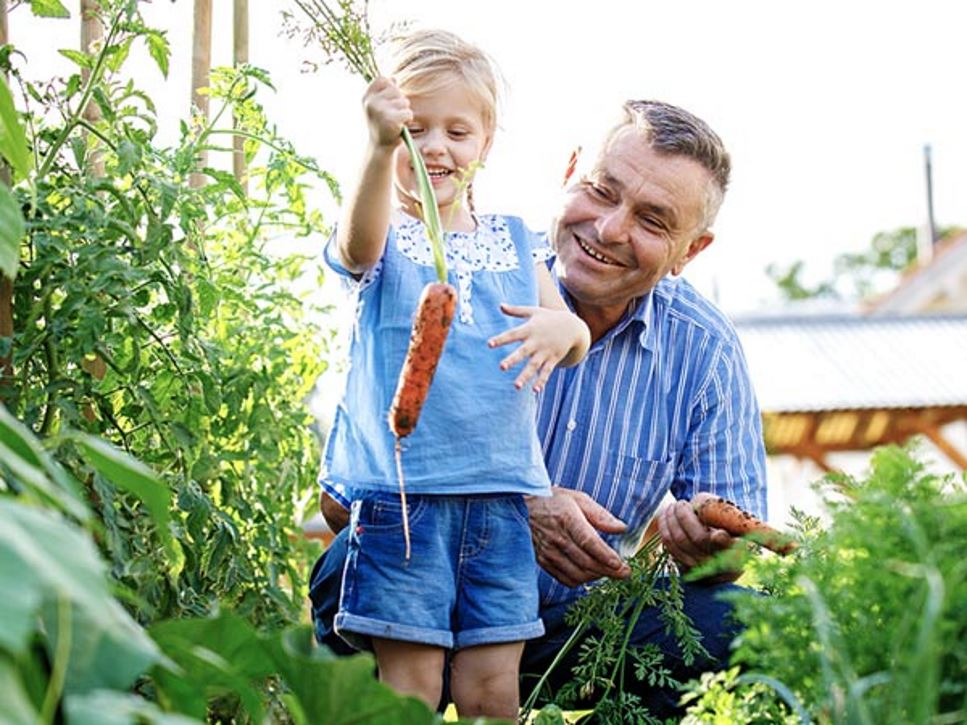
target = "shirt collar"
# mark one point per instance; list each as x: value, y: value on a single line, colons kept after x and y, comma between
x: 639, y: 317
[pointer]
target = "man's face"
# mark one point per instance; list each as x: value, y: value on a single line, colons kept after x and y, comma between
x: 637, y: 216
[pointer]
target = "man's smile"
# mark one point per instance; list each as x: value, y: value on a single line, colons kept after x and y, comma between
x: 594, y: 254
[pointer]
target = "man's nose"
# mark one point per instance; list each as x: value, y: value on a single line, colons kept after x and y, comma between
x: 613, y: 225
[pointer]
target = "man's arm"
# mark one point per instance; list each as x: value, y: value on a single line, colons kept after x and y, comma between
x: 724, y: 456
x: 564, y: 527
x: 335, y: 514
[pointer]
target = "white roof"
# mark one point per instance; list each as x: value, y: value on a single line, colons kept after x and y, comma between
x: 842, y: 362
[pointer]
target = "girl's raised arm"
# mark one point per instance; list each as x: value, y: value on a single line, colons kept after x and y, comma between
x: 364, y: 222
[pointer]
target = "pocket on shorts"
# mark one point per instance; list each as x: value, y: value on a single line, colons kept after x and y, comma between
x: 384, y: 512
x: 520, y: 511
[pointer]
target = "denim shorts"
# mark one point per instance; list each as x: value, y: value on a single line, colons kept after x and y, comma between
x: 471, y: 578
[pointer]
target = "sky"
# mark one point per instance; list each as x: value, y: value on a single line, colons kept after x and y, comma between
x: 825, y: 107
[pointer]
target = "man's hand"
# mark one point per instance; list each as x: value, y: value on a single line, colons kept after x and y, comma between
x: 689, y: 541
x: 336, y: 516
x: 565, y: 529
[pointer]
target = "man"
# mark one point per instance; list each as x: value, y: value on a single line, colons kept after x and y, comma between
x: 661, y: 404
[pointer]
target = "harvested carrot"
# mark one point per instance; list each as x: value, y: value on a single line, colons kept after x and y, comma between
x: 721, y: 514
x: 434, y: 313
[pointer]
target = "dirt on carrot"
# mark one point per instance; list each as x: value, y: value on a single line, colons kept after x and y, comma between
x: 434, y: 313
x: 722, y: 514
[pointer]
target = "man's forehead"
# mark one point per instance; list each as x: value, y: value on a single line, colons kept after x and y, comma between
x: 653, y: 177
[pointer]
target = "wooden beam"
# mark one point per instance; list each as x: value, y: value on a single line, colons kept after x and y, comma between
x: 933, y: 433
x: 240, y: 57
x: 92, y: 31
x: 201, y: 63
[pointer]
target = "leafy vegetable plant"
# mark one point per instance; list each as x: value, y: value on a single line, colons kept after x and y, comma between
x: 867, y: 622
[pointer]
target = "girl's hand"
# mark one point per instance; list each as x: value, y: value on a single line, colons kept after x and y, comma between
x: 387, y: 111
x: 546, y: 338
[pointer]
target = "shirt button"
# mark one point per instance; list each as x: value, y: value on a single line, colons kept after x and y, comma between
x: 572, y: 424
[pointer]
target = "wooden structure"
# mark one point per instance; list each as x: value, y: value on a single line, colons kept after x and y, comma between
x: 847, y: 382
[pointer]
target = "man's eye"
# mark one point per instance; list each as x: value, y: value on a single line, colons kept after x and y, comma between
x: 650, y: 222
x: 599, y: 192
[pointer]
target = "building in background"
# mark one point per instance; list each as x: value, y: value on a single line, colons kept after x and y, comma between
x: 835, y: 384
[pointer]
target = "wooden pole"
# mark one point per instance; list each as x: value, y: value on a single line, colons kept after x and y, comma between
x: 6, y: 285
x: 240, y: 56
x: 201, y: 63
x: 92, y: 31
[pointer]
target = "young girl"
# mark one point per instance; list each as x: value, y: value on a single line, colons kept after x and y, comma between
x: 474, y: 454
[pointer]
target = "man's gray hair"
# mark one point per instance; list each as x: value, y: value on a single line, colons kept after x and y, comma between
x: 673, y: 130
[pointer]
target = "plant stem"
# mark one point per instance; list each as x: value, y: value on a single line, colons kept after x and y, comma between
x: 561, y: 653
x: 61, y: 657
x: 75, y: 117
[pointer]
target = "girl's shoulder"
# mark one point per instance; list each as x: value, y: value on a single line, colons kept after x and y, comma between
x: 508, y: 228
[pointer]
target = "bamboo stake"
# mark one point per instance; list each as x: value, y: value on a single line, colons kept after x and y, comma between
x: 92, y: 32
x: 201, y: 63
x: 240, y: 57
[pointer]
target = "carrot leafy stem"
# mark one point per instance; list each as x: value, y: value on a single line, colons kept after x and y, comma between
x: 342, y: 30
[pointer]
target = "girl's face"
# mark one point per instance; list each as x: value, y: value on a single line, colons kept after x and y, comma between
x: 449, y: 131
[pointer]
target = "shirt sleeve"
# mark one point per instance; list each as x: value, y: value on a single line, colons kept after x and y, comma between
x: 724, y: 454
x: 353, y: 282
x: 342, y: 493
x: 541, y: 250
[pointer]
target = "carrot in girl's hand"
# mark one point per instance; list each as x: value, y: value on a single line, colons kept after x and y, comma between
x: 721, y: 514
x: 434, y: 313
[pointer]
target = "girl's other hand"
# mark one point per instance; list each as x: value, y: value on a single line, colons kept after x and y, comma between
x: 387, y: 111
x: 545, y: 339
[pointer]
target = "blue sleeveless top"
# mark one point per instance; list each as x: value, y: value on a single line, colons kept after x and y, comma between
x: 476, y: 432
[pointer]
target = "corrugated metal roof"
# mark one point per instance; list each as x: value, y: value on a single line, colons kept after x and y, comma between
x: 837, y: 362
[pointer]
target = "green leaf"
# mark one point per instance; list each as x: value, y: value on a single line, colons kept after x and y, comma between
x: 13, y: 140
x: 111, y: 655
x: 49, y: 9
x: 225, y: 178
x: 11, y: 233
x: 17, y: 708
x: 160, y: 50
x: 42, y: 558
x: 34, y: 468
x: 131, y: 475
x: 105, y: 707
x: 339, y: 690
x: 84, y: 60
x: 115, y: 56
x: 214, y: 655
x: 129, y: 156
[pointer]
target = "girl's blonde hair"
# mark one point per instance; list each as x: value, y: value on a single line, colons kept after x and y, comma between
x: 427, y: 60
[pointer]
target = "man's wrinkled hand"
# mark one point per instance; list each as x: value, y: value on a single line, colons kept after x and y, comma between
x: 690, y: 542
x: 564, y: 528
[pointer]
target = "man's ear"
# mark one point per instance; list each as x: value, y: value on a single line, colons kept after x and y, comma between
x: 695, y: 246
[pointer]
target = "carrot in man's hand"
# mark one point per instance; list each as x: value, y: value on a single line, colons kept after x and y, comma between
x: 721, y: 514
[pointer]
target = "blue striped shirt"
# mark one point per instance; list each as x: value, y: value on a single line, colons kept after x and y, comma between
x: 662, y: 403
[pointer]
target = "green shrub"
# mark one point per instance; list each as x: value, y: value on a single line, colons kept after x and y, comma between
x: 867, y: 623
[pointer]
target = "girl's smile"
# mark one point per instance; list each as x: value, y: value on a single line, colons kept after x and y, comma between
x: 449, y: 131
